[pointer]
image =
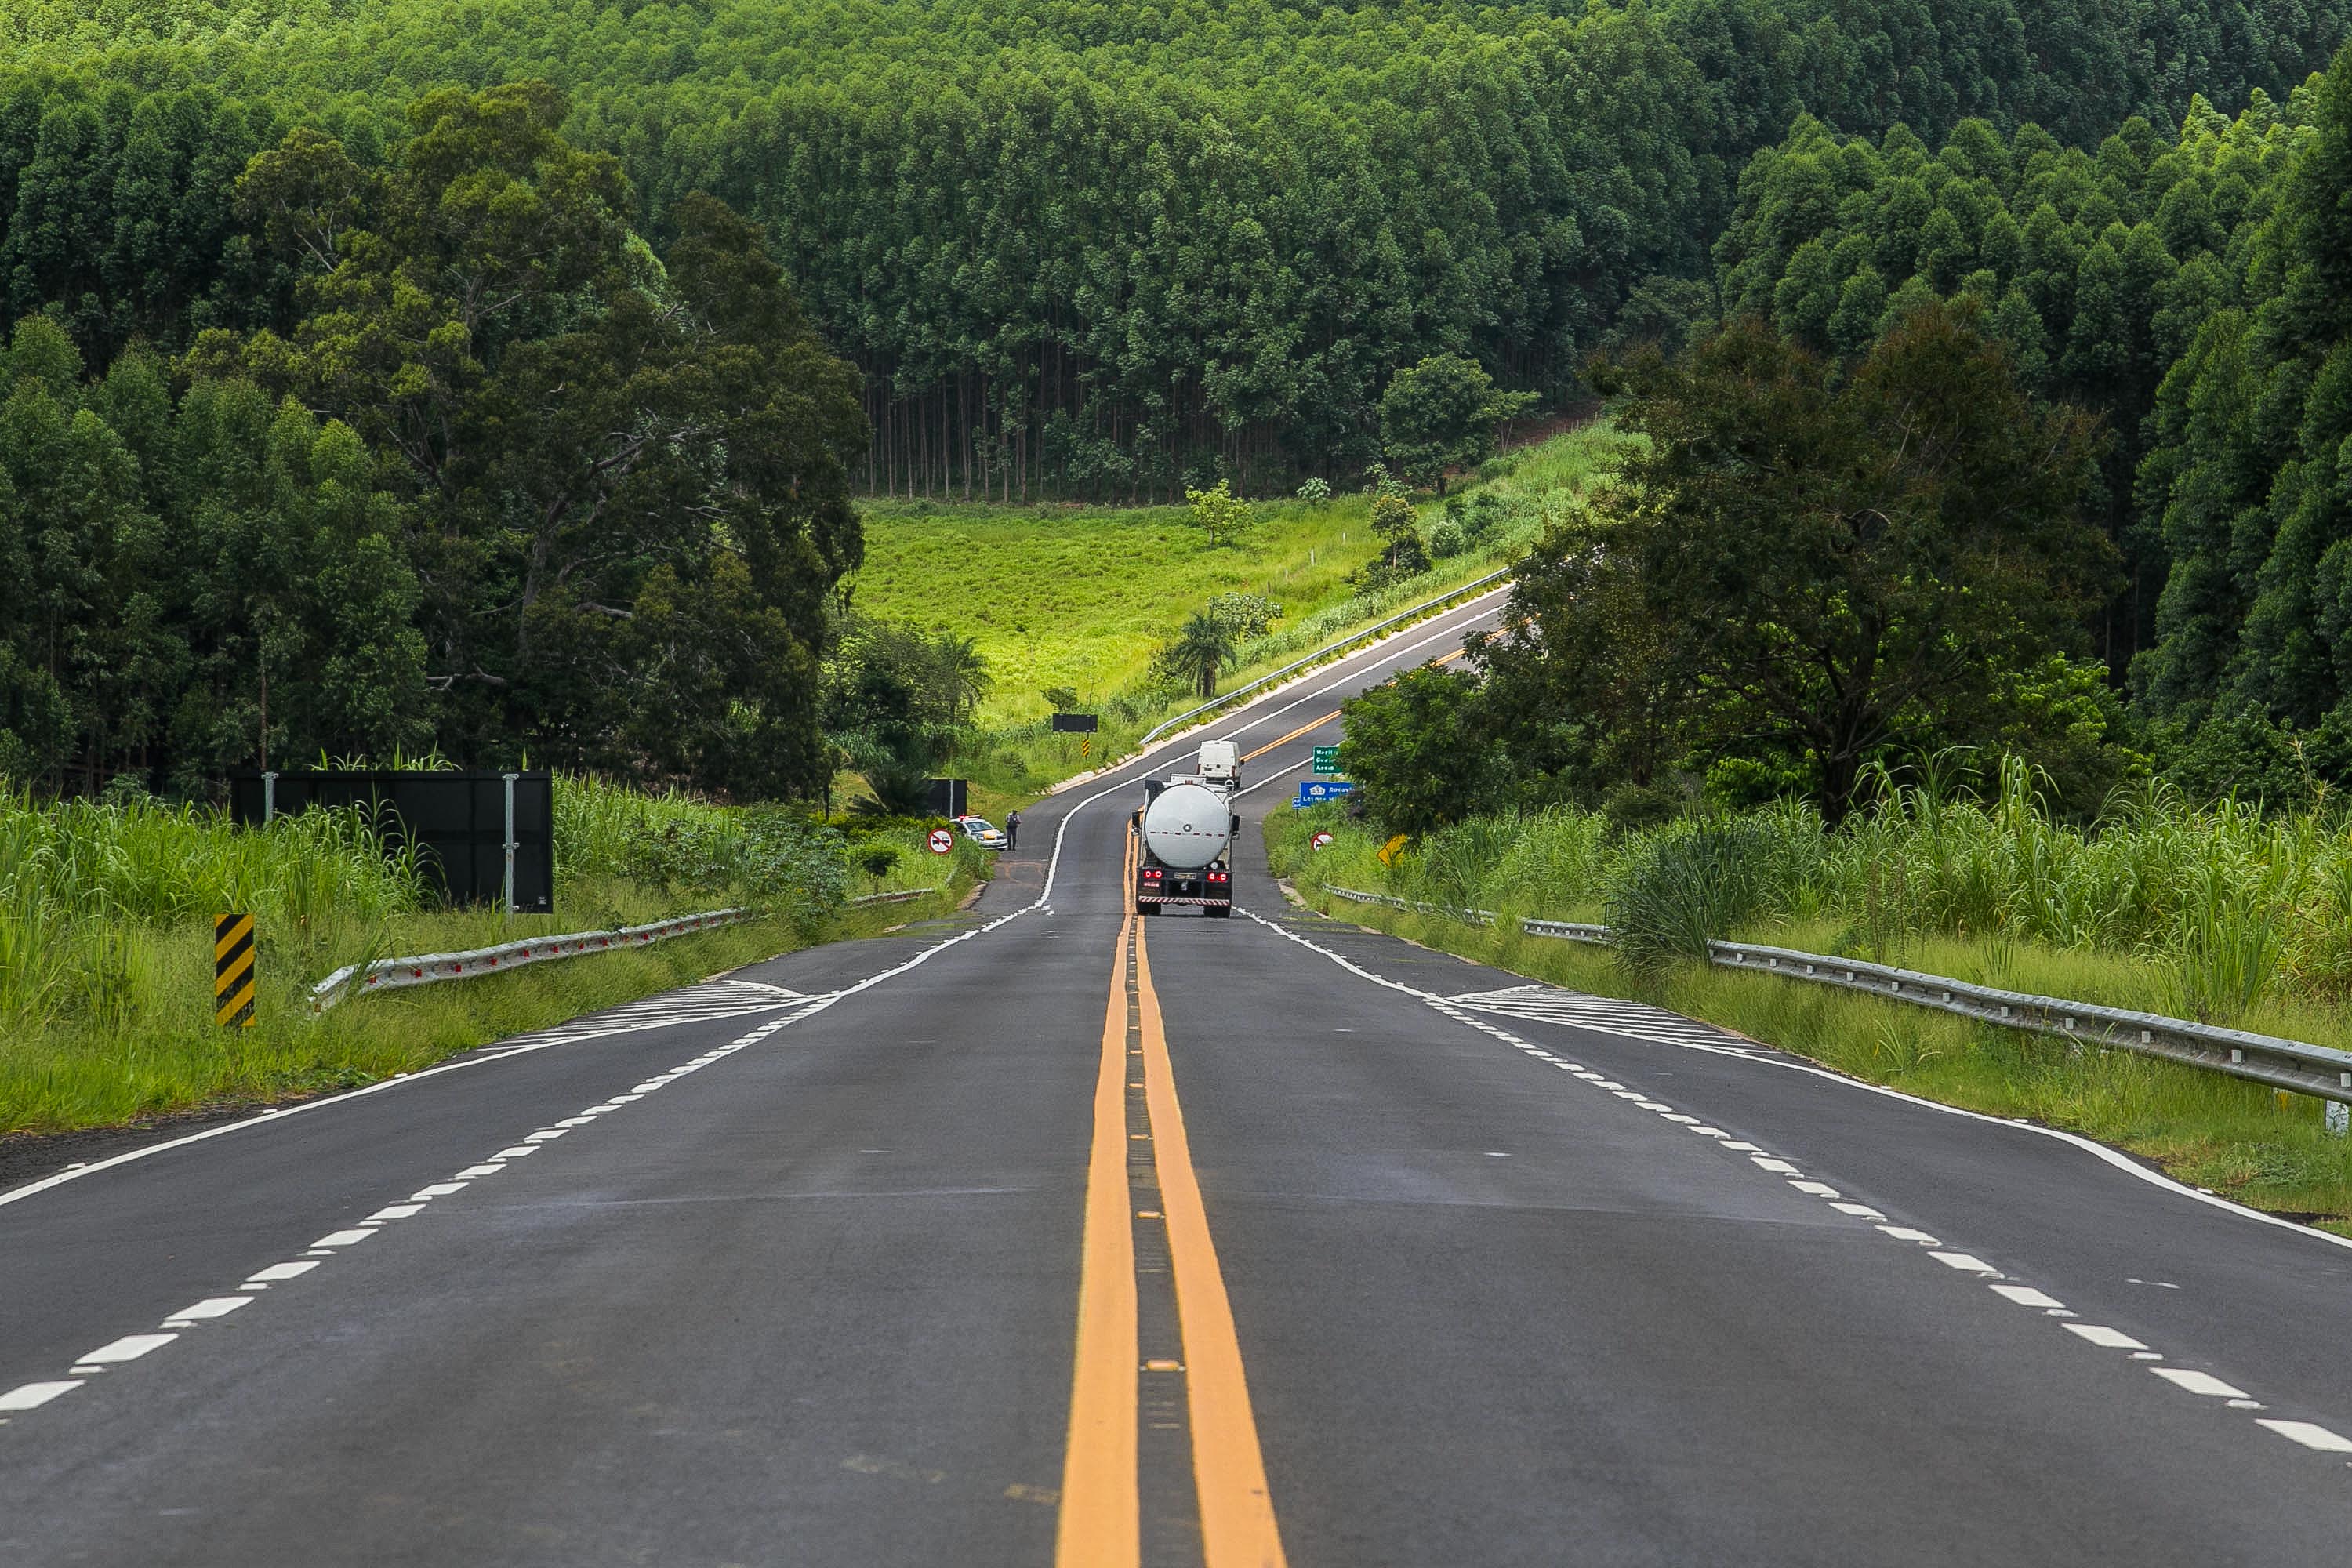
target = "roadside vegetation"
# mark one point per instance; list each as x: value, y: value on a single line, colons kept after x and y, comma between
x: 2218, y: 913
x: 106, y: 911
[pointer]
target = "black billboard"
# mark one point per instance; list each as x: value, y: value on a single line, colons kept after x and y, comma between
x: 1074, y: 723
x: 946, y: 798
x: 457, y: 818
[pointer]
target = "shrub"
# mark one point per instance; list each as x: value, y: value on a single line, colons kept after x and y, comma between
x: 1692, y: 889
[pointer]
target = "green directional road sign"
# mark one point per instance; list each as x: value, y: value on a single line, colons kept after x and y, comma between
x: 1327, y: 759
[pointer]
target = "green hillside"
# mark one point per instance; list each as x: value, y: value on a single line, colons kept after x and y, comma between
x: 1083, y: 596
x: 1083, y: 247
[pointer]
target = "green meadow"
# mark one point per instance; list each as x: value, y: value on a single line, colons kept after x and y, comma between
x: 1075, y: 595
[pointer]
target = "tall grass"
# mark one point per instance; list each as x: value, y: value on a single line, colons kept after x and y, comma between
x: 2224, y: 907
x: 106, y: 912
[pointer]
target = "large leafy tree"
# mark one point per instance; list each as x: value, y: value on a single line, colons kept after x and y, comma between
x: 1423, y: 749
x: 1821, y: 567
x: 1441, y: 415
x: 635, y: 474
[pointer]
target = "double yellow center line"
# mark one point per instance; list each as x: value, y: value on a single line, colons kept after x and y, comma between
x: 1100, y: 1524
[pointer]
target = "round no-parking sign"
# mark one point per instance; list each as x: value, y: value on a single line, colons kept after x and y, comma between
x: 941, y: 841
x: 1319, y: 840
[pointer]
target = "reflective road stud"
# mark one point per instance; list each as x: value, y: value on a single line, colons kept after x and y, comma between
x: 233, y: 971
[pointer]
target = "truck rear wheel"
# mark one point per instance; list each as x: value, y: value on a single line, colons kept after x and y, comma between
x: 1217, y: 912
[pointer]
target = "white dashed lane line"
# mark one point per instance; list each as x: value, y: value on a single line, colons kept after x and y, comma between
x: 132, y: 1347
x: 2307, y: 1434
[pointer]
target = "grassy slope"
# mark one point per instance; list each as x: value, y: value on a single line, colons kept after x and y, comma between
x: 2239, y: 1139
x: 1082, y: 595
x: 176, y: 1059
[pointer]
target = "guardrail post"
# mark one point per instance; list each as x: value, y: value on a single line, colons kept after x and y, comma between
x: 268, y: 797
x: 2339, y: 1119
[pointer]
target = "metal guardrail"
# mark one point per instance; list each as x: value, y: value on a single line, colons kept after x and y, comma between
x: 2318, y: 1070
x: 1426, y: 607
x: 896, y: 898
x: 2264, y: 1059
x: 426, y: 969
x: 1569, y: 931
x: 395, y: 973
x: 1413, y: 906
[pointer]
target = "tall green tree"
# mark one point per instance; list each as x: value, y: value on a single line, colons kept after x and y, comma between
x: 587, y: 427
x: 1441, y: 415
x: 1824, y: 567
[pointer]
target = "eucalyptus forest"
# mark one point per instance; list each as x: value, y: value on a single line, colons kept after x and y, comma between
x: 504, y: 378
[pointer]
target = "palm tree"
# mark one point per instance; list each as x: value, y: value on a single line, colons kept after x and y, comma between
x: 1201, y: 653
x: 963, y: 673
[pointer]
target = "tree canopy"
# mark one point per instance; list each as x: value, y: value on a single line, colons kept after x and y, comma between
x: 2189, y: 287
x: 503, y: 480
x: 1442, y: 414
x: 1808, y: 568
x: 1085, y: 246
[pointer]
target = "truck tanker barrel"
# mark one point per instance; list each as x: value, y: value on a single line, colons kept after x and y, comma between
x: 1185, y: 835
x: 1187, y: 826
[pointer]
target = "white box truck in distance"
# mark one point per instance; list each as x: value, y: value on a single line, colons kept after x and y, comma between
x: 1220, y: 765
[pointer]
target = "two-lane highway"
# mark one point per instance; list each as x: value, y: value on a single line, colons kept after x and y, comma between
x: 1053, y: 1235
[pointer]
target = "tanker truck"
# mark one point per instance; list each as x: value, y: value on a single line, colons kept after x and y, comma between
x: 1185, y: 837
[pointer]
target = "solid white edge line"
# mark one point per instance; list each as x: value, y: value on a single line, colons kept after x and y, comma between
x: 2097, y: 1149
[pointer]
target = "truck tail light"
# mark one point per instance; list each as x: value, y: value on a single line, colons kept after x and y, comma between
x: 1151, y: 873
x: 1219, y: 877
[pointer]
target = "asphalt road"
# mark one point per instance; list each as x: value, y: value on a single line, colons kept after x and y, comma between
x: 1048, y: 1234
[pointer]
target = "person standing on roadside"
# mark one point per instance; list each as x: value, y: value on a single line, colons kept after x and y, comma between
x: 1012, y: 830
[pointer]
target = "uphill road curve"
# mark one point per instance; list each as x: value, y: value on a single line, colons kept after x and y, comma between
x: 1050, y: 1233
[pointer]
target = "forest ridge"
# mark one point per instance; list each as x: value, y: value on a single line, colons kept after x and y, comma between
x: 1094, y: 249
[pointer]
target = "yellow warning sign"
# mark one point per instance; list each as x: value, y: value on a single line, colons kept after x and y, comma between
x: 1392, y: 849
x: 233, y: 971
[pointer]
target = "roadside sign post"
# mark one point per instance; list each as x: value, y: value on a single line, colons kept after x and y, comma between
x: 1326, y: 760
x: 941, y: 841
x: 506, y: 889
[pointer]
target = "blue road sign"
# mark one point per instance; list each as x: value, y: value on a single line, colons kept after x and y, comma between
x: 1312, y: 791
